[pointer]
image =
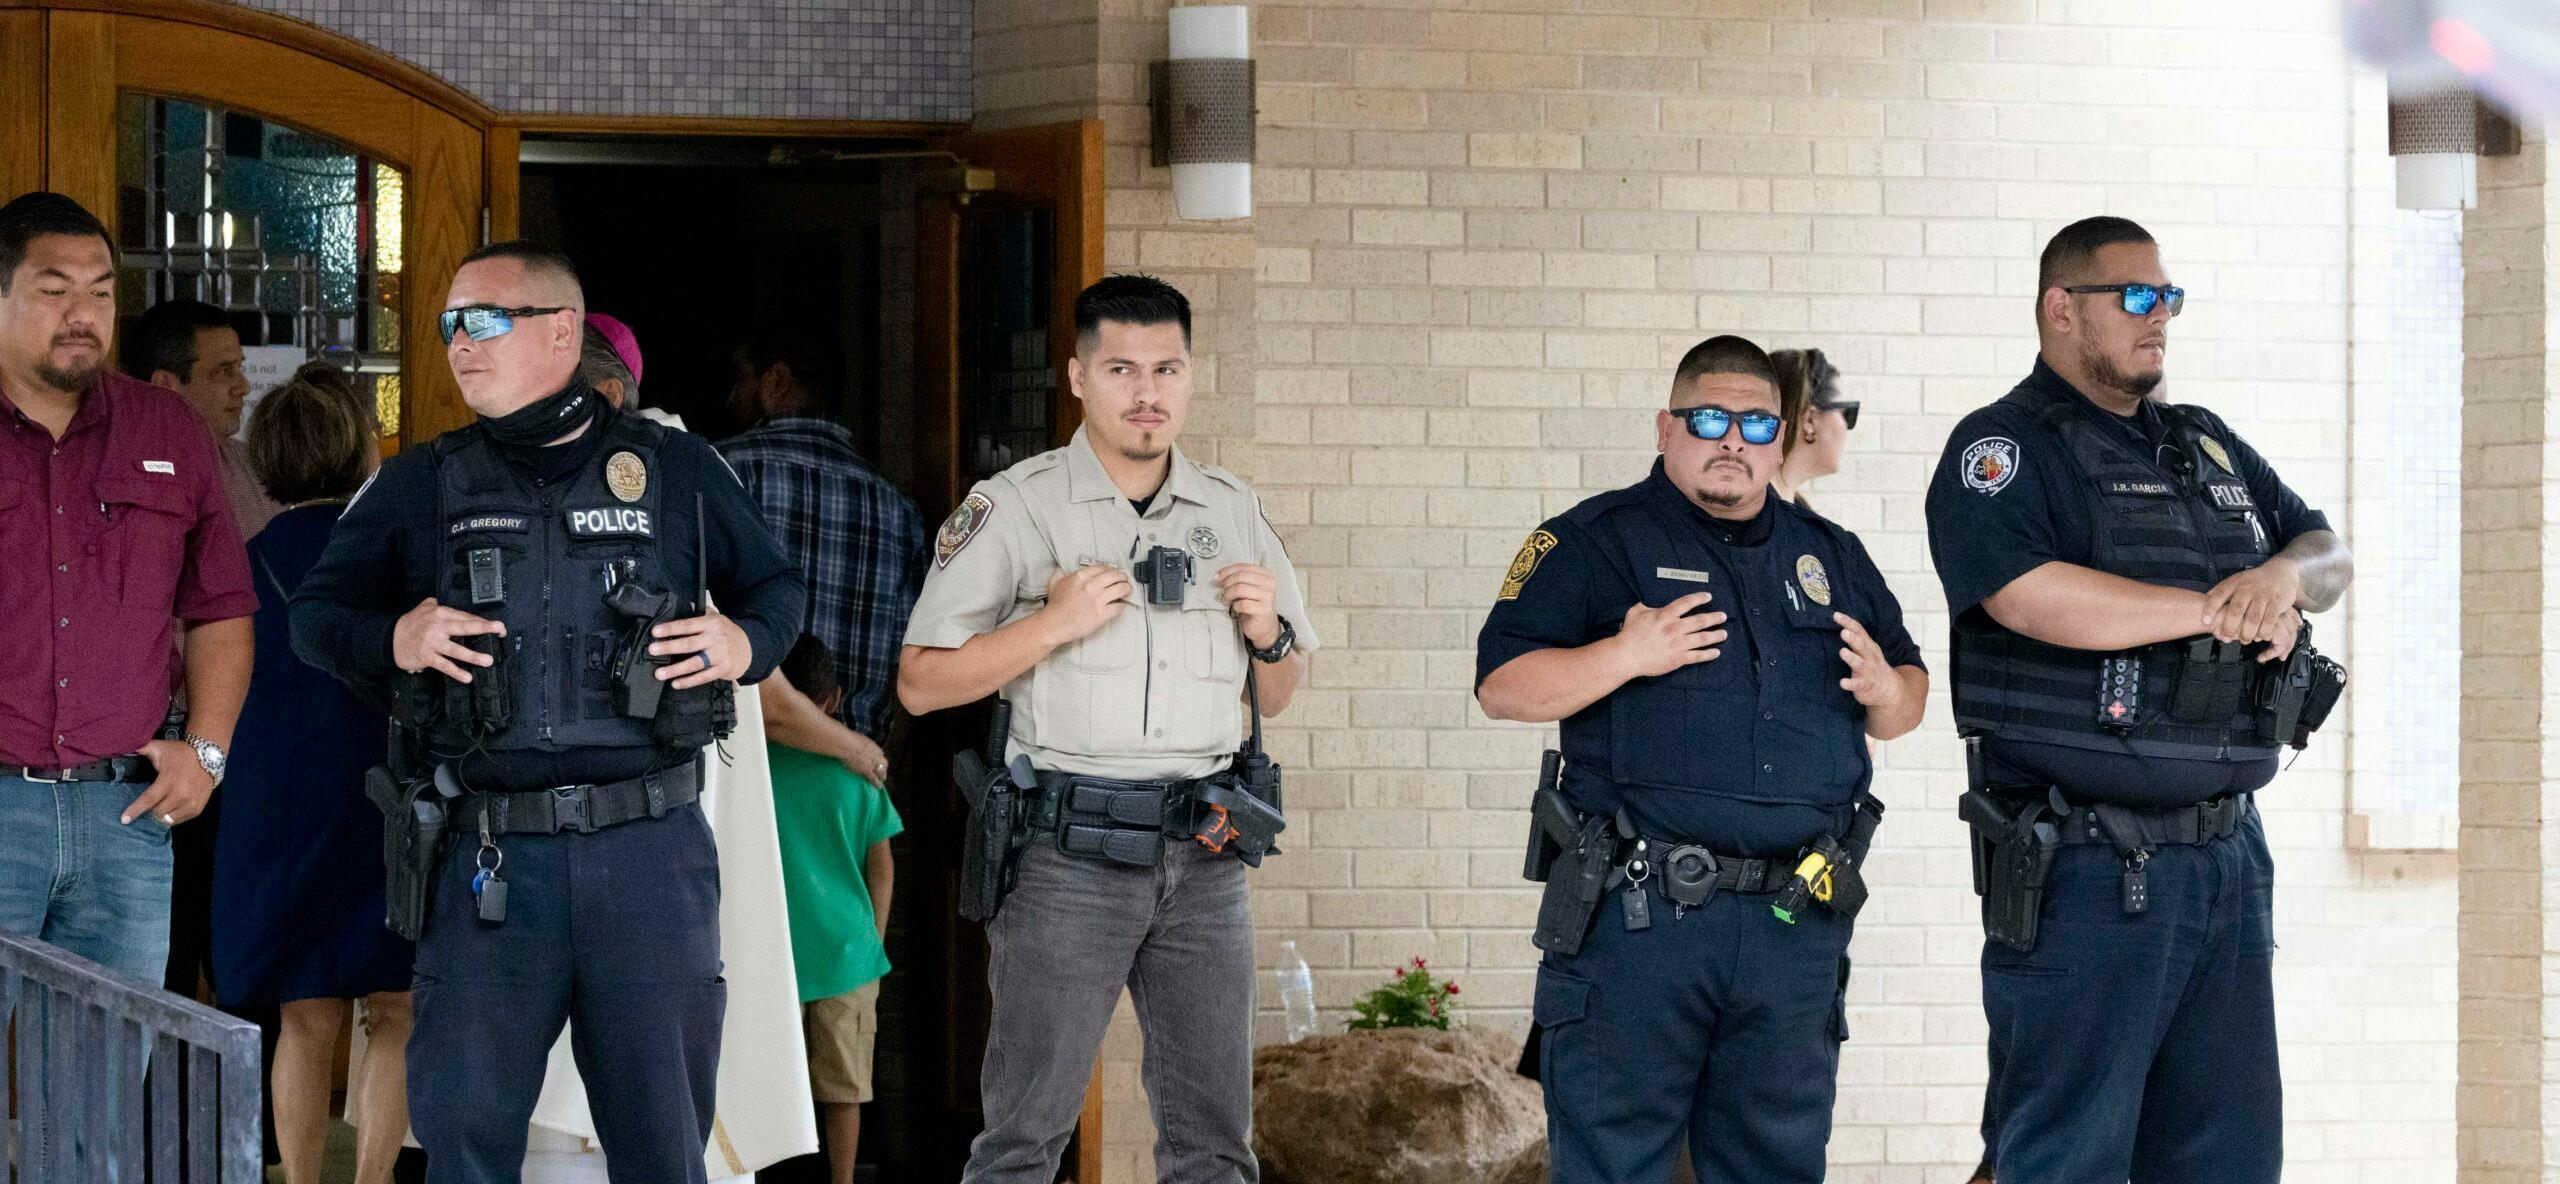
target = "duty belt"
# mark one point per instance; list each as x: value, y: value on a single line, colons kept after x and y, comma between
x: 1110, y: 819
x: 2129, y: 827
x: 131, y: 770
x: 585, y: 809
x: 1688, y: 874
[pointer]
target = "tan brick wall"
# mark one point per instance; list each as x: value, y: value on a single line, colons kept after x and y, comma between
x: 1486, y: 229
x: 2508, y: 883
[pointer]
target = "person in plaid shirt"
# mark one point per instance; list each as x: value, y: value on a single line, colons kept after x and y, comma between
x: 859, y: 542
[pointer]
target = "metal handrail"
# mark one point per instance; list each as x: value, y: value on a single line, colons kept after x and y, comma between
x: 113, y: 1080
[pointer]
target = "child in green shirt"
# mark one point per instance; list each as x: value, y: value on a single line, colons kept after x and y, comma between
x: 836, y: 874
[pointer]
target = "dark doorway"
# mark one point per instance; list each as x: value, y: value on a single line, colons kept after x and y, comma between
x: 945, y: 271
x: 696, y: 245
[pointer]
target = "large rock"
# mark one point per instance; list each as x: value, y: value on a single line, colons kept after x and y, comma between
x: 1401, y: 1106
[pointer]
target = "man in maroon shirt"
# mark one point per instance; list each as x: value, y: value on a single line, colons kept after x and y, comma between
x: 115, y: 530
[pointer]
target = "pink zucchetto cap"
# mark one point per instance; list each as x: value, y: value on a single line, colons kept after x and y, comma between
x: 619, y: 337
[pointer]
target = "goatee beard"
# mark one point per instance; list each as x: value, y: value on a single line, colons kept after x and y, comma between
x: 1136, y: 453
x: 2103, y: 369
x: 65, y: 380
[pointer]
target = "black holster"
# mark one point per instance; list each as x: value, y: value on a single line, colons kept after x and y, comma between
x: 2013, y: 852
x: 1576, y: 879
x: 2293, y: 704
x: 413, y: 840
x: 991, y: 846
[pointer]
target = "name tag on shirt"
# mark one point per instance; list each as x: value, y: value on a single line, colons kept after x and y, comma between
x: 160, y: 466
x: 1682, y: 574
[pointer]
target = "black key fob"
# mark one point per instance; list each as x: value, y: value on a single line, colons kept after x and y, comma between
x: 1639, y: 911
x: 2137, y: 885
x: 493, y: 901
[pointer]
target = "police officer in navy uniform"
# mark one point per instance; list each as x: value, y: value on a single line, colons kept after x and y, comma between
x: 1718, y: 659
x: 2123, y: 575
x: 501, y: 585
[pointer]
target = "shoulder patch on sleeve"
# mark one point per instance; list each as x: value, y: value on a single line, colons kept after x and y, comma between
x: 1990, y: 463
x: 963, y: 525
x: 1525, y: 564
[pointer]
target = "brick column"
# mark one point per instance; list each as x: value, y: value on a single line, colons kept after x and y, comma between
x: 2509, y: 1091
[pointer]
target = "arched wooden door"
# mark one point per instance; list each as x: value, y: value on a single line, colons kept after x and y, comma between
x: 354, y: 173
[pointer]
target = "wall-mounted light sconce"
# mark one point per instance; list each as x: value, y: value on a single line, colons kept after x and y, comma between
x: 2438, y: 135
x: 1202, y: 106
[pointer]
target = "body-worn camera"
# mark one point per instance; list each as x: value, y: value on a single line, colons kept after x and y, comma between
x: 1166, y: 571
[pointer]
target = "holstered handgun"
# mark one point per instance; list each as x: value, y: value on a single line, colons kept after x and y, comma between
x: 1551, y: 820
x: 2014, y: 846
x: 637, y: 690
x: 2296, y: 701
x: 413, y: 841
x: 990, y: 845
x: 1576, y: 879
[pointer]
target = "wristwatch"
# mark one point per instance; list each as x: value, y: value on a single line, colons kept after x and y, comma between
x: 1287, y: 641
x: 211, y: 756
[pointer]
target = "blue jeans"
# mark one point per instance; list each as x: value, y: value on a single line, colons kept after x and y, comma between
x: 72, y: 875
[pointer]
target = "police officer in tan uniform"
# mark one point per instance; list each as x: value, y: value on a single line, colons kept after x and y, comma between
x: 1115, y: 591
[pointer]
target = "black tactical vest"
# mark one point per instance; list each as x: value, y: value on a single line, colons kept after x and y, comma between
x: 552, y: 549
x: 1767, y: 721
x: 2178, y: 517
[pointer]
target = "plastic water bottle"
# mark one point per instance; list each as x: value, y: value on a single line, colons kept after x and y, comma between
x: 1297, y: 993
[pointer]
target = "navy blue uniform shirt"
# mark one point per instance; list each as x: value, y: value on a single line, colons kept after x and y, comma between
x: 1577, y: 590
x: 2042, y: 513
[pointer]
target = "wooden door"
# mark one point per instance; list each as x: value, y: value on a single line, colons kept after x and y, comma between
x: 70, y: 71
x: 1005, y: 241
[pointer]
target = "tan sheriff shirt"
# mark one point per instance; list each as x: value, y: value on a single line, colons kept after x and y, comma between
x: 1158, y: 692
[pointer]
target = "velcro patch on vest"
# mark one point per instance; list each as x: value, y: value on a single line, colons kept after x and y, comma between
x: 489, y: 523
x: 2141, y: 488
x: 611, y: 522
x: 2231, y: 495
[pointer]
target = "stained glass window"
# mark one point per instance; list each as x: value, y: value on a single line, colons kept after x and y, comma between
x: 297, y: 235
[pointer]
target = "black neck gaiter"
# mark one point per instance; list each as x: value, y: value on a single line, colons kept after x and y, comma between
x: 545, y: 419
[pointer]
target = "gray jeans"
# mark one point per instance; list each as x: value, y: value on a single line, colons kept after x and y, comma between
x: 1179, y: 936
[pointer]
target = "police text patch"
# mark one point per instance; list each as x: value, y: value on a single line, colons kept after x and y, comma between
x: 610, y: 520
x: 965, y: 521
x: 478, y: 523
x: 1990, y: 464
x: 1525, y: 564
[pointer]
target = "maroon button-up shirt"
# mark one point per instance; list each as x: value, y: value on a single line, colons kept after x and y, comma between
x: 108, y: 537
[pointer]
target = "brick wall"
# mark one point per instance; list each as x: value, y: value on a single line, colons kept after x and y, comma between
x: 1486, y: 232
x: 2507, y: 882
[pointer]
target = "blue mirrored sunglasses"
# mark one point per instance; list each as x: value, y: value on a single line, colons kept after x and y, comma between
x: 1711, y: 423
x: 2140, y: 299
x: 484, y: 321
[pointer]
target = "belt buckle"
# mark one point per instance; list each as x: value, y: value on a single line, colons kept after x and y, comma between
x: 570, y: 809
x: 28, y: 772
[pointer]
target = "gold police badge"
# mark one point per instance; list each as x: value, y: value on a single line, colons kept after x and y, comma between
x: 626, y: 475
x: 1815, y: 581
x: 2213, y: 452
x: 1525, y: 564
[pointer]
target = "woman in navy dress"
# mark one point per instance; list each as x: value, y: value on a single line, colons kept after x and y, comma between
x: 298, y: 880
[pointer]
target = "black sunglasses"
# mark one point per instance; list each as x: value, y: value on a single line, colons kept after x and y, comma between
x: 1711, y: 423
x: 484, y: 321
x: 1848, y: 410
x: 2139, y: 299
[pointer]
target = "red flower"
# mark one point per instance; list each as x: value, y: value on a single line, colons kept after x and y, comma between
x: 1450, y: 988
x: 1418, y: 963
